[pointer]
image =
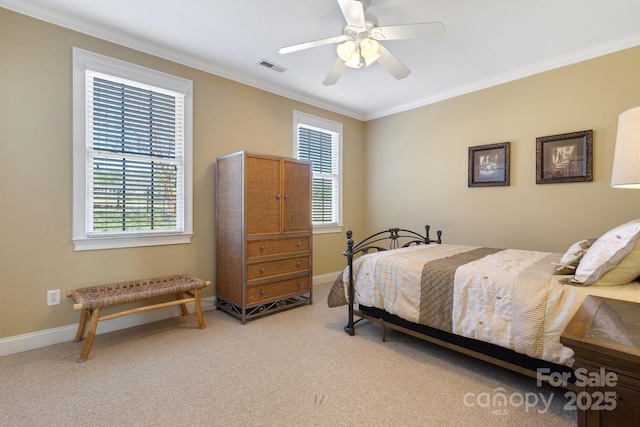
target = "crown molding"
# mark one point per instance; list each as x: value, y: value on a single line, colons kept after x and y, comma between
x: 146, y: 46
x: 622, y: 43
x: 149, y: 47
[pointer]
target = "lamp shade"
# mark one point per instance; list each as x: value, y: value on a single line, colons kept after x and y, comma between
x: 626, y: 159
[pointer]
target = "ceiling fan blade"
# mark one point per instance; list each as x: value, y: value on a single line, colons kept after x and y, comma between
x: 392, y: 64
x: 315, y: 43
x: 409, y: 31
x: 334, y: 73
x: 353, y: 13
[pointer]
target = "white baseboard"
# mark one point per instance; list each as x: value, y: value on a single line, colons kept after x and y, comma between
x: 325, y: 278
x: 46, y: 337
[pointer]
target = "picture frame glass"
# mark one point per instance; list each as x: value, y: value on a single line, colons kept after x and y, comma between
x: 488, y: 165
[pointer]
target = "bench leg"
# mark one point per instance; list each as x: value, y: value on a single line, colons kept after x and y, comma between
x: 183, y: 306
x: 196, y: 294
x: 91, y: 334
x: 81, y: 326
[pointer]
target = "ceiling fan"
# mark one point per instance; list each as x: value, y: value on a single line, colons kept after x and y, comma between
x: 359, y: 44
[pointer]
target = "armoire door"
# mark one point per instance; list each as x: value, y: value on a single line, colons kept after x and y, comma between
x: 262, y: 195
x: 296, y: 197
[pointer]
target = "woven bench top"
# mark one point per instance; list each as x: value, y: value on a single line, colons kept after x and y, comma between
x: 117, y: 293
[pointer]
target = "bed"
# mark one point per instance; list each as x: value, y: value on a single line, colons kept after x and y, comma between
x: 504, y: 306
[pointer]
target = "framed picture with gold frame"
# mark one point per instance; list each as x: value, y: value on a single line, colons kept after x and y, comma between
x: 567, y: 157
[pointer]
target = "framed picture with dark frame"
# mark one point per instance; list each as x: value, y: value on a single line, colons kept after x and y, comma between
x: 489, y: 165
x: 565, y: 158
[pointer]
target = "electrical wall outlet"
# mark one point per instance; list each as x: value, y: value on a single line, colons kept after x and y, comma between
x: 53, y: 297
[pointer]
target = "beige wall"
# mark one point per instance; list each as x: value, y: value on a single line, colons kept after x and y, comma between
x: 414, y: 165
x: 416, y: 161
x: 36, y: 252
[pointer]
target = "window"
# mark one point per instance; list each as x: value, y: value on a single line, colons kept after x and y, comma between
x: 320, y: 141
x: 132, y: 155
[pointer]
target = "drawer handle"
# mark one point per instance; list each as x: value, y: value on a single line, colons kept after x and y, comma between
x: 262, y: 270
x: 298, y: 244
x: 298, y: 264
x: 261, y: 291
x: 286, y: 196
x: 298, y: 284
x: 262, y: 248
x: 278, y: 196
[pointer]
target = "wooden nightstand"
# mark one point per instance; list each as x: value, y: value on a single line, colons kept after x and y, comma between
x: 605, y: 336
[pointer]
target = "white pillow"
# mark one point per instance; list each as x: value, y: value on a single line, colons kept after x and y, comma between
x: 570, y: 260
x: 625, y: 272
x: 607, y: 252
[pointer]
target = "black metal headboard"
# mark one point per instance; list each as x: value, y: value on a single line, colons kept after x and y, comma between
x: 396, y: 238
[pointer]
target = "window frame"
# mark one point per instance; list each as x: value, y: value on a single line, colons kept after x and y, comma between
x: 335, y: 128
x: 83, y: 238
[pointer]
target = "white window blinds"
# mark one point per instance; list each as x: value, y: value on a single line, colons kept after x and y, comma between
x: 321, y: 145
x: 135, y: 155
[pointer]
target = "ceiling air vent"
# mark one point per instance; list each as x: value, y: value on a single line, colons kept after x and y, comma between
x: 271, y: 65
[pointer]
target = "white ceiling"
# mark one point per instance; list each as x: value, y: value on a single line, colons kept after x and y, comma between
x: 487, y: 42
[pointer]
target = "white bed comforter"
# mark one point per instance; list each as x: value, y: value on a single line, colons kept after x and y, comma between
x: 510, y: 298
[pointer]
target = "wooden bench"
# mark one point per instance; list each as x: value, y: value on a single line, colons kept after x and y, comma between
x: 92, y: 299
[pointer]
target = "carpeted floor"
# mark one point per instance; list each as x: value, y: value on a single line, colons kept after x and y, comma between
x: 293, y: 368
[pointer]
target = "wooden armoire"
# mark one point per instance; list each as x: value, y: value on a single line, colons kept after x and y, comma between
x: 264, y: 234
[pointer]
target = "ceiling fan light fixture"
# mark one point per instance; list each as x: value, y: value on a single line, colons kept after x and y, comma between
x: 369, y: 48
x: 346, y: 50
x: 349, y: 52
x: 371, y: 60
x: 355, y: 61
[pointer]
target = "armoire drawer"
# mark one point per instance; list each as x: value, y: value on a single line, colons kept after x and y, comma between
x: 274, y: 290
x: 260, y: 248
x: 277, y: 267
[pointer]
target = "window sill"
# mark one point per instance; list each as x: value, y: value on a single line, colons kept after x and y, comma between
x: 130, y: 241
